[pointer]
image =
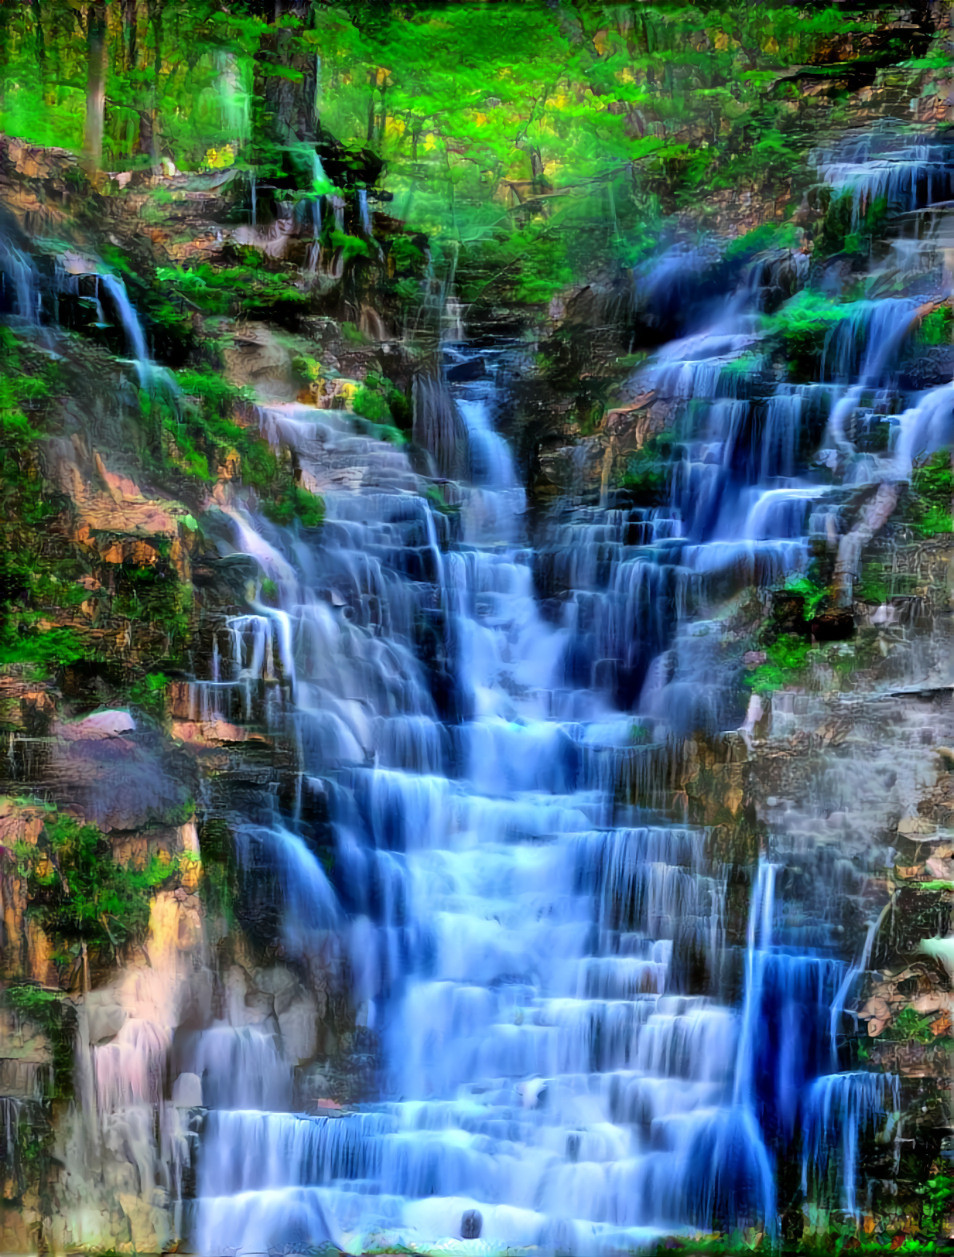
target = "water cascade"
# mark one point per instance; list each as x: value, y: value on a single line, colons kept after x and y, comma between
x: 594, y: 1026
x: 579, y: 1050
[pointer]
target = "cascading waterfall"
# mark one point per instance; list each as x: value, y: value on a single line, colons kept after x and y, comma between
x: 574, y: 1054
x: 579, y: 1049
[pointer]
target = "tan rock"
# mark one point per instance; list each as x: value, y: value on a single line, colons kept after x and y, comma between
x: 915, y: 825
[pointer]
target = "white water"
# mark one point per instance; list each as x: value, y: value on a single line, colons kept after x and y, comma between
x: 571, y: 1055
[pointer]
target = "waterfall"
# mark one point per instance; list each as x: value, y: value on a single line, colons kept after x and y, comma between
x: 592, y: 1025
x: 571, y: 1057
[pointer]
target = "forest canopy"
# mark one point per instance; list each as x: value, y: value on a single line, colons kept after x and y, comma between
x: 525, y: 135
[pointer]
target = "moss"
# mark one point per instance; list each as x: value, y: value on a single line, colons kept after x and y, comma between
x: 371, y: 404
x: 148, y: 694
x: 936, y: 327
x: 351, y: 334
x: 435, y: 496
x: 800, y: 327
x: 47, y: 649
x: 647, y: 471
x: 786, y: 663
x: 932, y: 488
x: 53, y: 1014
x: 761, y: 239
x: 814, y: 595
x: 294, y: 503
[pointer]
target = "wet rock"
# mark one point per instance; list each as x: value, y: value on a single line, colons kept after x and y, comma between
x: 187, y: 1091
x: 105, y: 1016
x: 298, y: 1024
x: 102, y: 724
x: 833, y: 626
x: 471, y: 1225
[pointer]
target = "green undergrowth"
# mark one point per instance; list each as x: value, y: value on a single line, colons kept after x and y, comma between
x: 799, y: 328
x: 80, y: 895
x: 34, y: 580
x: 763, y: 239
x: 787, y: 662
x: 936, y: 327
x: 647, y: 472
x: 51, y: 1013
x: 932, y: 492
x: 201, y: 435
x: 249, y: 289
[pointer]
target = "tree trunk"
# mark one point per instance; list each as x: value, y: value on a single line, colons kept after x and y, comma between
x: 95, y: 84
x: 149, y: 120
x: 129, y: 22
x: 40, y: 45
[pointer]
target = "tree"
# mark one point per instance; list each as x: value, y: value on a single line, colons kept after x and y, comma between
x: 96, y: 27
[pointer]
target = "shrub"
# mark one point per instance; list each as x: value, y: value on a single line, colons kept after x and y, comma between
x: 80, y: 894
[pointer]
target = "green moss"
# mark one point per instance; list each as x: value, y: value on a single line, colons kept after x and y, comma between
x: 910, y: 1026
x: 761, y: 239
x: 294, y: 503
x: 149, y: 694
x: 936, y: 327
x: 47, y: 649
x: 932, y: 488
x: 52, y: 1014
x: 800, y: 327
x: 230, y: 290
x: 814, y: 595
x: 786, y: 663
x: 351, y: 334
x: 435, y: 496
x: 647, y: 471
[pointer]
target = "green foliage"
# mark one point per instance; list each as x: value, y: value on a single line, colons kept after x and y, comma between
x: 647, y: 471
x: 291, y: 503
x: 435, y: 496
x: 351, y: 246
x: 371, y: 405
x: 800, y: 327
x: 932, y: 491
x: 149, y: 694
x: 761, y: 239
x: 938, y: 1202
x: 352, y: 334
x: 936, y: 327
x: 786, y: 663
x: 813, y: 593
x: 841, y: 233
x: 47, y: 649
x: 911, y: 1027
x: 51, y: 1013
x: 80, y: 894
x: 34, y: 1003
x: 248, y: 289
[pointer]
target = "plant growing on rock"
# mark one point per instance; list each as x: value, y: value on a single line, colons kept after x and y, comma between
x: 80, y: 895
